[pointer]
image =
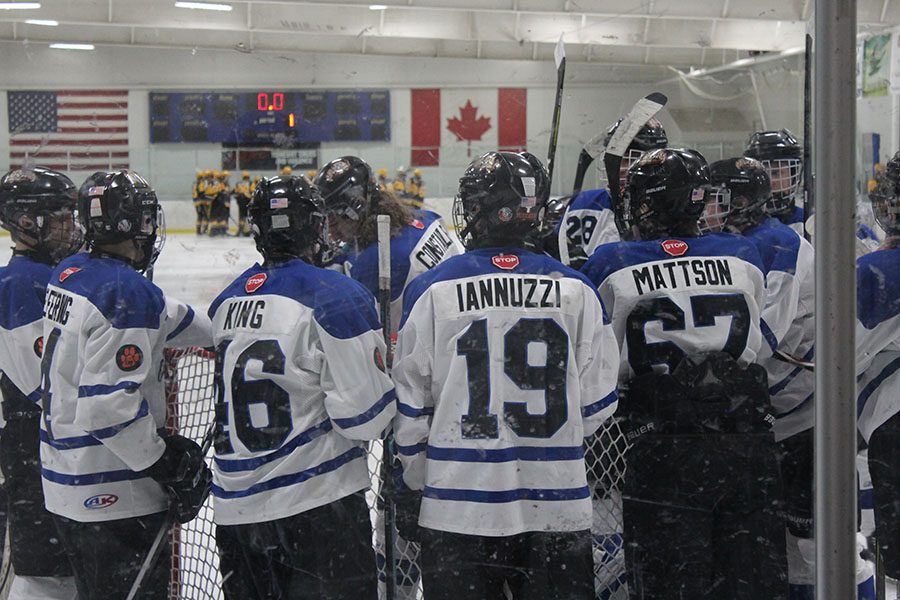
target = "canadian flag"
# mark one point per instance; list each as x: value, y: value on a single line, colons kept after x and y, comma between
x: 466, y: 122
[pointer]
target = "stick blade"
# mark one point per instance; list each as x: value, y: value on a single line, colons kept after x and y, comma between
x: 644, y: 110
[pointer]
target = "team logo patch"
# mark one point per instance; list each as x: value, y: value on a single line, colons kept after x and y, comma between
x: 39, y: 346
x: 674, y: 247
x: 379, y: 360
x: 505, y: 261
x: 65, y: 274
x: 129, y: 357
x: 100, y: 501
x: 417, y: 224
x: 505, y: 214
x: 255, y: 282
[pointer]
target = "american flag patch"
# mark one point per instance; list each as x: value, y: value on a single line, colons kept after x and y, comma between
x: 278, y: 202
x: 697, y: 194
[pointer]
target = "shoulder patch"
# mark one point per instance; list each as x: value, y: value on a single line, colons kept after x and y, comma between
x: 674, y: 247
x: 254, y: 282
x: 67, y: 272
x: 507, y: 262
x: 129, y: 357
x: 417, y: 224
x: 39, y: 346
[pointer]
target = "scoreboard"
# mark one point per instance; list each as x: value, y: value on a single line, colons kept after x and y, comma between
x: 279, y: 118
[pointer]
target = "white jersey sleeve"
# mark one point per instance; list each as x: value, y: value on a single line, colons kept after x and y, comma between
x: 184, y: 327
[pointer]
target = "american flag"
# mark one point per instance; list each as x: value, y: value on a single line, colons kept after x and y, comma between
x: 82, y: 130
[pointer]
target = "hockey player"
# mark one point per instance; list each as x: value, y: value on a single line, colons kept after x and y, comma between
x: 242, y: 196
x: 702, y: 485
x: 505, y: 362
x: 782, y: 155
x: 304, y: 345
x: 383, y: 179
x: 415, y: 189
x: 220, y: 206
x: 110, y: 473
x: 419, y: 241
x: 37, y: 207
x: 201, y: 200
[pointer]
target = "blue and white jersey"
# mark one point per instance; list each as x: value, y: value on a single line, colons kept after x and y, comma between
x: 795, y: 220
x: 505, y: 362
x: 589, y: 221
x: 789, y: 264
x: 103, y: 393
x: 877, y: 338
x: 23, y: 285
x: 674, y: 297
x: 301, y: 382
x: 418, y: 247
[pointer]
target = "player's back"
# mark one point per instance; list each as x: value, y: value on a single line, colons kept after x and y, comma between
x: 589, y: 221
x: 679, y: 296
x: 300, y: 381
x: 522, y: 367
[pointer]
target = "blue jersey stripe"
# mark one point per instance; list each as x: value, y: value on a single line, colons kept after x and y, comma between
x: 108, y: 432
x: 69, y: 443
x: 249, y: 464
x: 499, y: 497
x: 35, y: 396
x: 411, y: 450
x: 592, y: 409
x: 370, y: 414
x: 91, y: 478
x: 870, y: 388
x: 496, y: 455
x: 187, y: 320
x: 768, y: 335
x: 285, y: 480
x: 408, y: 411
x: 790, y: 376
x: 86, y: 391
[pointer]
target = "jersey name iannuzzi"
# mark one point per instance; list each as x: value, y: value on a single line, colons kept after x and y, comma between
x: 508, y: 291
x: 675, y: 274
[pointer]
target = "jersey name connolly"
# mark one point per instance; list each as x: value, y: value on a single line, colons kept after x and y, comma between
x: 669, y: 298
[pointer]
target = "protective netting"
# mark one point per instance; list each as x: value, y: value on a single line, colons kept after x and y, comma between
x: 195, y: 561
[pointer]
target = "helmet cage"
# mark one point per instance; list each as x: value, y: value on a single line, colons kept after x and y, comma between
x: 716, y: 212
x: 786, y: 175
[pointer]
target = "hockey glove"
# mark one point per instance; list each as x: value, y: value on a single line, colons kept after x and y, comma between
x: 184, y: 473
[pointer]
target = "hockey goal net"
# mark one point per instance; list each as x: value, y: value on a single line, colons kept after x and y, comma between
x: 195, y: 561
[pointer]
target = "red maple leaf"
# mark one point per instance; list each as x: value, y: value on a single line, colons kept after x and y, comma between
x: 469, y: 126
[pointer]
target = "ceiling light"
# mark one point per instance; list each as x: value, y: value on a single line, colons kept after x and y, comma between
x: 19, y: 5
x: 203, y: 5
x: 377, y: 7
x: 46, y: 22
x: 72, y: 46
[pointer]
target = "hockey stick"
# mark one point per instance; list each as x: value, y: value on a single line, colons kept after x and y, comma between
x: 559, y: 55
x: 591, y: 151
x: 156, y: 547
x: 793, y: 360
x: 384, y: 301
x: 808, y: 187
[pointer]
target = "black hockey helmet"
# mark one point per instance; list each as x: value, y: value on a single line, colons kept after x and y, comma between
x: 740, y: 190
x: 39, y: 207
x: 649, y: 137
x: 885, y: 197
x: 665, y: 192
x: 782, y: 156
x: 287, y: 218
x: 117, y: 206
x: 348, y: 187
x: 501, y: 199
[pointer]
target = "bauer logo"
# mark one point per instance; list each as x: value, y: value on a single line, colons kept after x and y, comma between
x: 100, y: 501
x: 65, y: 274
x: 255, y: 282
x: 506, y: 262
x: 674, y: 247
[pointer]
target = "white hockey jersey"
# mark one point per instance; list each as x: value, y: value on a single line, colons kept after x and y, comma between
x: 505, y: 363
x: 589, y: 221
x: 300, y: 384
x: 103, y: 394
x: 418, y: 247
x: 679, y: 296
x: 23, y: 285
x: 877, y: 338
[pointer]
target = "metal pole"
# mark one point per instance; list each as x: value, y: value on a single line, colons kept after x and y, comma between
x: 835, y: 434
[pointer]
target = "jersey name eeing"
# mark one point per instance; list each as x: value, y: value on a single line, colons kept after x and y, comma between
x: 506, y: 292
x: 694, y: 272
x: 433, y: 250
x: 56, y: 306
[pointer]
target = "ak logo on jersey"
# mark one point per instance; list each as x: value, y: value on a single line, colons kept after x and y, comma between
x: 100, y: 501
x: 129, y: 357
x: 39, y: 346
x: 507, y: 262
x: 65, y: 274
x: 674, y: 247
x: 254, y: 282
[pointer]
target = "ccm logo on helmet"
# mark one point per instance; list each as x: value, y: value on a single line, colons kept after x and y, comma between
x: 255, y: 282
x: 674, y: 247
x: 100, y: 501
x: 65, y: 274
x: 506, y: 262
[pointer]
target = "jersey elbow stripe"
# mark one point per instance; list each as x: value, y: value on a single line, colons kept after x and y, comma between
x: 497, y: 455
x: 412, y: 450
x: 187, y: 320
x: 505, y: 496
x: 870, y: 388
x: 413, y: 413
x: 593, y: 409
x: 370, y: 414
x: 292, y: 479
x: 91, y: 478
x: 250, y: 464
x: 108, y: 432
x: 86, y: 391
